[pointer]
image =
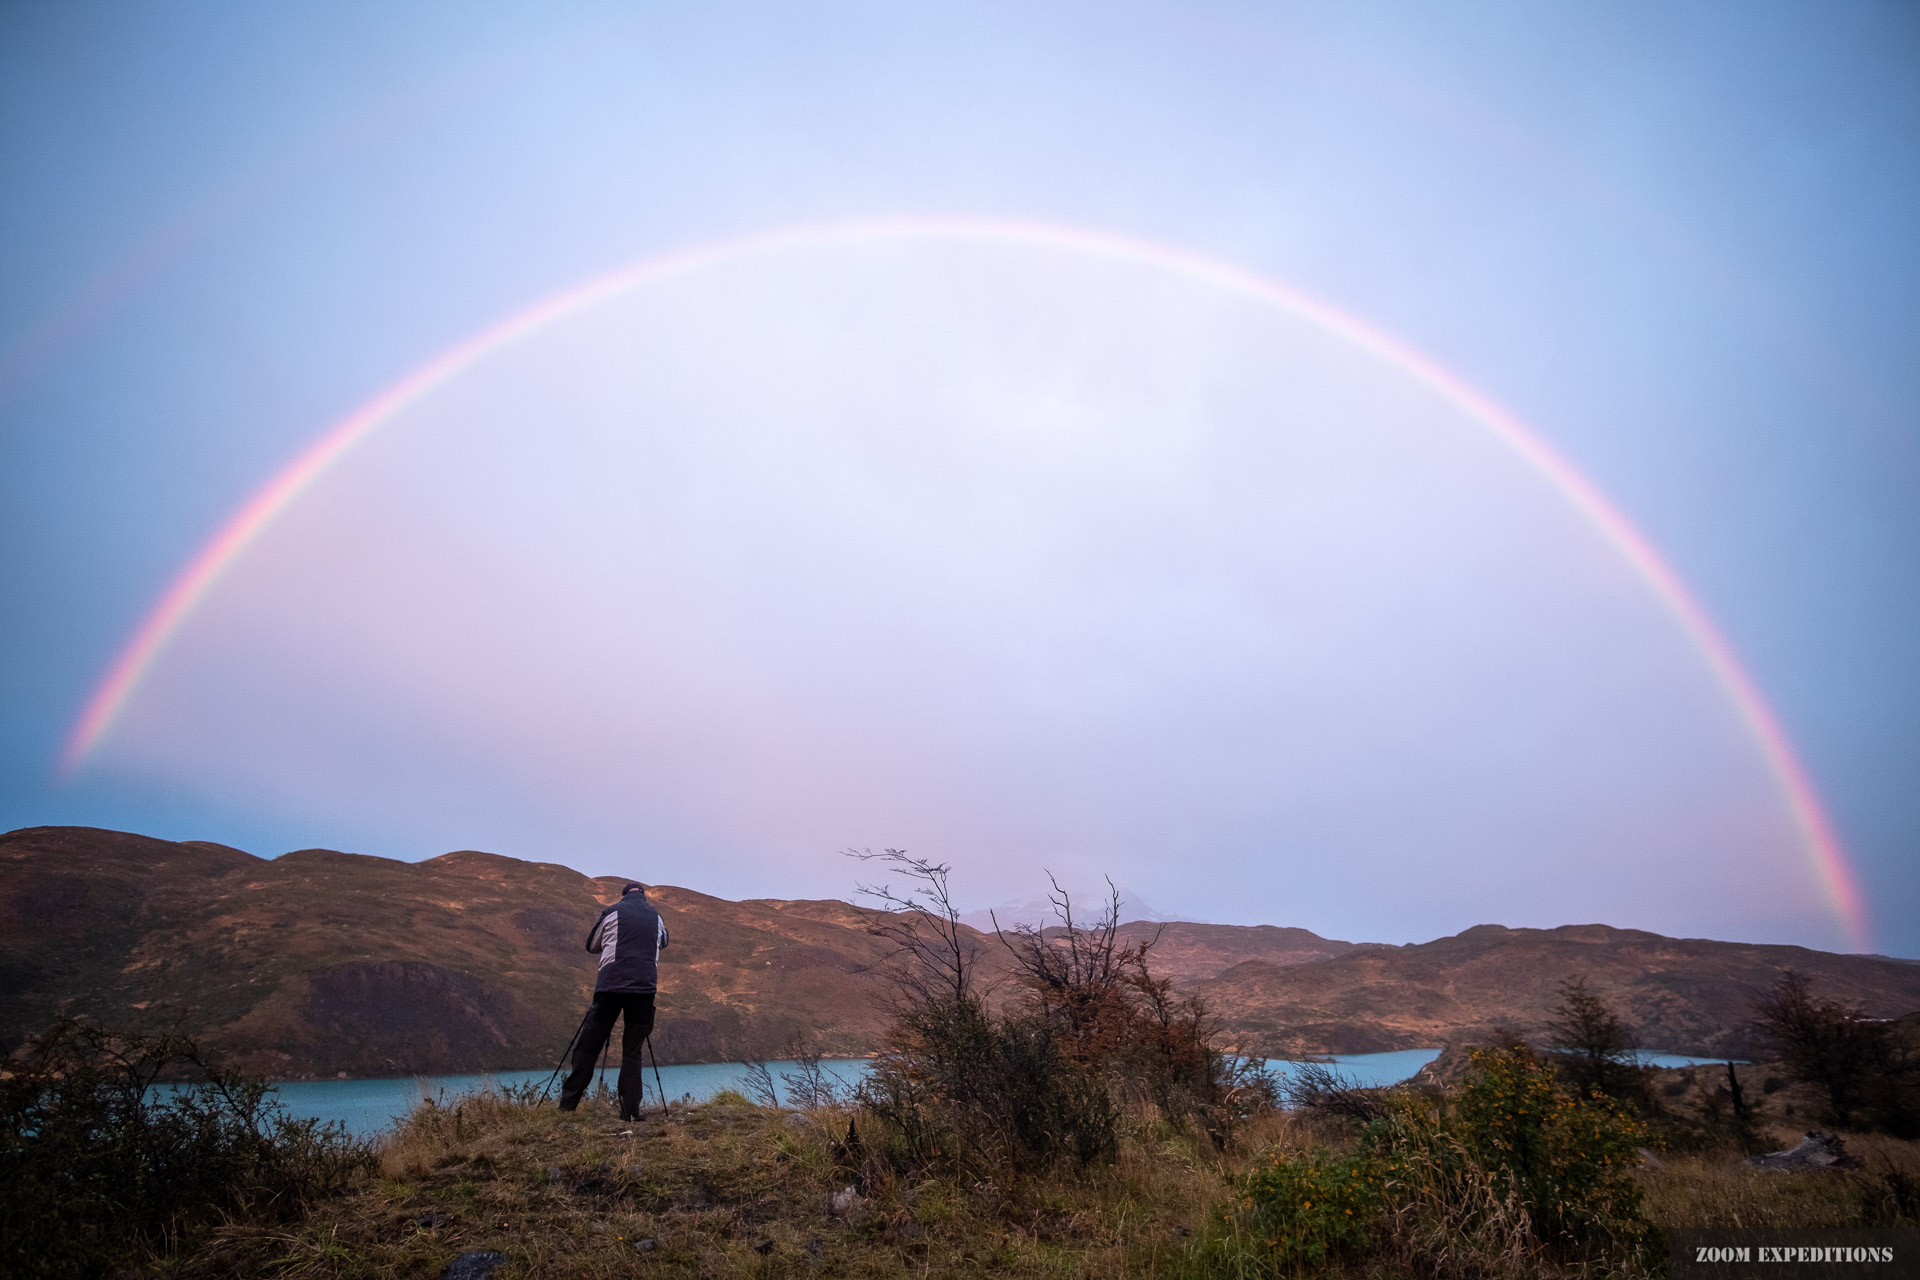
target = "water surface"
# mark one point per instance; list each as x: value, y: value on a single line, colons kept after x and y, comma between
x: 367, y: 1106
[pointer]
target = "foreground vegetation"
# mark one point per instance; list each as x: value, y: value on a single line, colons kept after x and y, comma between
x: 119, y: 1150
x: 1082, y: 1122
x: 727, y: 1188
x: 1468, y: 1181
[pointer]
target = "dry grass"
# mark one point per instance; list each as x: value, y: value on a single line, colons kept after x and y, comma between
x: 729, y: 1189
x: 726, y: 1189
x: 1719, y: 1190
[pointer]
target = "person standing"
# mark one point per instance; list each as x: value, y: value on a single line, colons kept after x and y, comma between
x: 628, y: 937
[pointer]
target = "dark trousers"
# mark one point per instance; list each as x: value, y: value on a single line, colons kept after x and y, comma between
x: 594, y: 1032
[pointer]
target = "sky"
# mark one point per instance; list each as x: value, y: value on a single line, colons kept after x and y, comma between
x: 1379, y: 468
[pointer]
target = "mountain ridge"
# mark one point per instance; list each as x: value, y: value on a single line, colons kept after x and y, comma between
x: 319, y: 963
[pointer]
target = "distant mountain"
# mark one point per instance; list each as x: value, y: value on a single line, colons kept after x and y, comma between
x: 1686, y: 995
x: 317, y: 963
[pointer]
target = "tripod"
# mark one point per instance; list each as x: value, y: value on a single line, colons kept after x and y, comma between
x: 566, y: 1055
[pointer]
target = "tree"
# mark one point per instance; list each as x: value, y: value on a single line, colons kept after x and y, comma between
x: 1863, y: 1065
x: 1590, y: 1045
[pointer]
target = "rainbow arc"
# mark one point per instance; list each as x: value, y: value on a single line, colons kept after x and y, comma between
x: 1818, y: 837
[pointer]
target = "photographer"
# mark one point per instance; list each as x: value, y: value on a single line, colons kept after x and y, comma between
x: 628, y: 937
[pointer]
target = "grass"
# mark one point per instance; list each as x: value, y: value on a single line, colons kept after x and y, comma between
x: 720, y: 1188
x: 1715, y: 1190
x: 725, y: 1188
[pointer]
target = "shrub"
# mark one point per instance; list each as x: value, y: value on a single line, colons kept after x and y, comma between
x: 101, y: 1163
x: 1041, y: 1079
x: 1569, y: 1159
x: 957, y: 1083
x: 1301, y: 1209
x: 962, y: 1086
x: 1116, y: 1022
x: 1504, y: 1177
x: 1317, y: 1088
x: 1444, y: 1211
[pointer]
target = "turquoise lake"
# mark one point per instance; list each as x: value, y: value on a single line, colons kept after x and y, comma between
x: 368, y: 1106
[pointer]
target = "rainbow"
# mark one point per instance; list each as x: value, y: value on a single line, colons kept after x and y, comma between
x: 164, y: 620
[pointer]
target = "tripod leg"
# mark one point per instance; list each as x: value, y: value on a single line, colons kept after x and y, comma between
x: 604, y: 1049
x: 565, y: 1054
x: 656, y: 1077
x: 586, y: 1053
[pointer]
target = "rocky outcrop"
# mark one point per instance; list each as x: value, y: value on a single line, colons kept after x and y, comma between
x: 1818, y: 1150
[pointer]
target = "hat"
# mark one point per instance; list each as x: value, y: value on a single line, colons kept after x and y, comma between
x: 632, y: 886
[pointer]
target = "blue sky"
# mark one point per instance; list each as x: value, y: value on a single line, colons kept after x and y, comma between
x: 1679, y: 244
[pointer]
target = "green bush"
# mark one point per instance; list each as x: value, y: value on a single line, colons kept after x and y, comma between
x: 1301, y: 1209
x: 1569, y: 1158
x: 1508, y: 1175
x: 103, y: 1164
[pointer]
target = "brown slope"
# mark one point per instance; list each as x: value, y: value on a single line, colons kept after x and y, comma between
x: 1187, y: 952
x: 1687, y: 995
x: 320, y: 962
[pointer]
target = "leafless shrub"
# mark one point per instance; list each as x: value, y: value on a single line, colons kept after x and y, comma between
x: 1318, y: 1088
x: 1092, y: 1032
x: 809, y: 1086
x: 956, y: 1082
x: 760, y: 1084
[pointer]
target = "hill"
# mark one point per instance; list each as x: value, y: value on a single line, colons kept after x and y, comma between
x: 1687, y: 995
x: 318, y: 963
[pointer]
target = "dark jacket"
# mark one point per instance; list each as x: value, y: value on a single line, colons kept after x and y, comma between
x: 628, y: 935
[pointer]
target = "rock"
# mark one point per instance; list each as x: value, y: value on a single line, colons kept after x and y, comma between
x: 909, y: 1230
x: 430, y: 1220
x: 1447, y: 1070
x: 844, y: 1202
x: 475, y: 1264
x: 1818, y: 1150
x: 799, y: 1120
x: 644, y: 1246
x: 637, y: 1170
x: 555, y: 1173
